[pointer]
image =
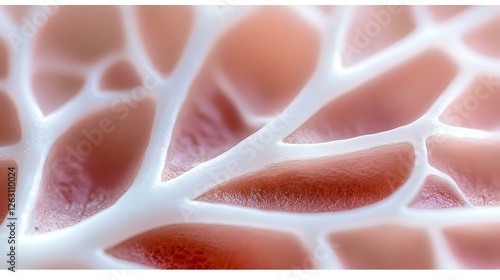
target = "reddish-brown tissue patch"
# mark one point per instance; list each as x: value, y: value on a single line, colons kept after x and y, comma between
x: 473, y: 165
x: 4, y: 60
x: 485, y: 40
x: 82, y: 34
x: 266, y: 76
x: 164, y: 31
x: 478, y: 106
x: 10, y: 127
x: 475, y: 246
x: 375, y: 28
x: 384, y: 247
x: 394, y: 99
x: 207, y: 125
x: 199, y: 246
x: 93, y: 164
x: 437, y: 194
x: 8, y: 177
x: 52, y: 89
x: 321, y: 185
x: 442, y: 13
x: 120, y: 75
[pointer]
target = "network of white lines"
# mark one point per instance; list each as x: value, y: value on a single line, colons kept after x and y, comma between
x: 150, y: 202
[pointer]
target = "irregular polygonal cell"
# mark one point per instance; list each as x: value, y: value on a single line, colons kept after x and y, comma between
x: 393, y: 99
x: 437, y: 194
x: 478, y: 106
x: 266, y: 76
x: 200, y: 246
x: 384, y: 247
x: 81, y: 34
x: 165, y: 31
x: 52, y: 89
x: 4, y: 60
x: 8, y: 177
x: 120, y: 75
x: 207, y: 125
x: 373, y: 29
x: 475, y: 246
x: 442, y: 13
x: 10, y: 128
x: 321, y: 185
x: 473, y: 165
x: 485, y: 40
x: 93, y: 164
